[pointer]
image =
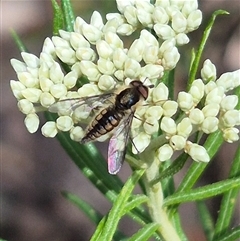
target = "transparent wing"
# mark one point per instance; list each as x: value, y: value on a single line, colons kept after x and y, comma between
x: 68, y: 106
x: 118, y: 143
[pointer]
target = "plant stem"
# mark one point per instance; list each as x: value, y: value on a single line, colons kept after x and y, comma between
x: 155, y: 195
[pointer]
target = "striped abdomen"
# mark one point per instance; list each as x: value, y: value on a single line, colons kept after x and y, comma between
x: 104, y: 122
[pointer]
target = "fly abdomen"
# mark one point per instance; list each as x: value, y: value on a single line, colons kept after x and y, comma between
x: 104, y: 122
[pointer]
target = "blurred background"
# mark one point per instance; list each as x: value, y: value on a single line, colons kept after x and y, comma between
x: 34, y: 169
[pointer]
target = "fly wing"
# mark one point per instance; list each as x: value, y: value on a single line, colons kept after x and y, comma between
x: 118, y: 143
x: 68, y: 106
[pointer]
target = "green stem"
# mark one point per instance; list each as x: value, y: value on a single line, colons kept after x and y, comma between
x: 155, y: 195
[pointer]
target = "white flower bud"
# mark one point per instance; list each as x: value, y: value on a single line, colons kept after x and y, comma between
x: 45, y: 84
x: 231, y: 134
x: 17, y: 88
x: 198, y: 153
x: 148, y: 38
x: 177, y: 142
x: 196, y: 116
x: 119, y: 58
x: 170, y: 58
x: 197, y: 90
x: 83, y: 53
x: 154, y: 112
x: 152, y: 71
x: 64, y: 123
x: 181, y: 39
x: 121, y: 5
x: 185, y: 101
x: 136, y: 50
x: 229, y: 102
x: 229, y: 80
x: 211, y: 85
x: 169, y: 108
x: 141, y: 141
x: 78, y: 41
x: 215, y: 96
x: 132, y: 68
x: 91, y: 33
x: 25, y: 106
x: 56, y: 74
x: 189, y: 6
x: 184, y: 128
x: 31, y: 60
x: 65, y: 35
x: 96, y: 20
x: 76, y: 67
x: 104, y: 50
x: 130, y: 13
x: 70, y: 79
x: 159, y: 93
x: 27, y: 79
x: 160, y: 16
x: 231, y: 118
x: 18, y: 66
x: 46, y: 99
x: 106, y: 83
x: 60, y: 42
x: 90, y: 69
x: 113, y: 40
x: 150, y: 54
x: 43, y: 71
x: 140, y: 111
x: 119, y: 74
x: 111, y: 25
x: 81, y: 113
x: 58, y: 90
x: 48, y: 47
x: 211, y: 110
x: 210, y: 124
x: 145, y: 17
x: 151, y: 125
x: 125, y: 29
x: 167, y: 45
x: 208, y: 72
x: 179, y: 22
x: 168, y: 125
x: 46, y: 59
x: 106, y: 66
x: 164, y: 31
x: 76, y: 133
x: 78, y: 25
x: 49, y: 129
x: 164, y: 153
x: 31, y: 94
x: 194, y: 20
x: 31, y: 121
x: 66, y: 54
x: 88, y: 90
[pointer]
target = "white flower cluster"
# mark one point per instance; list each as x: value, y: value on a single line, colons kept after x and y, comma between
x: 97, y: 52
x: 218, y: 113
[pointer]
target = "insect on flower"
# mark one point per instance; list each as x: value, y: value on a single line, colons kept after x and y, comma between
x: 113, y: 115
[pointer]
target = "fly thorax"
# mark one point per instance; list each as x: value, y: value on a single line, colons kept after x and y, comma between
x: 127, y: 98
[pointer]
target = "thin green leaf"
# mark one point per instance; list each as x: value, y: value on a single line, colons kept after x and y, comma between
x: 135, y: 201
x: 144, y: 233
x: 237, y: 92
x: 212, y: 145
x: 228, y: 201
x: 68, y: 15
x: 18, y: 42
x: 90, y: 212
x: 232, y: 235
x: 206, y: 220
x: 58, y: 20
x: 97, y: 233
x: 117, y: 210
x: 177, y: 224
x: 201, y: 193
x: 206, y: 33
